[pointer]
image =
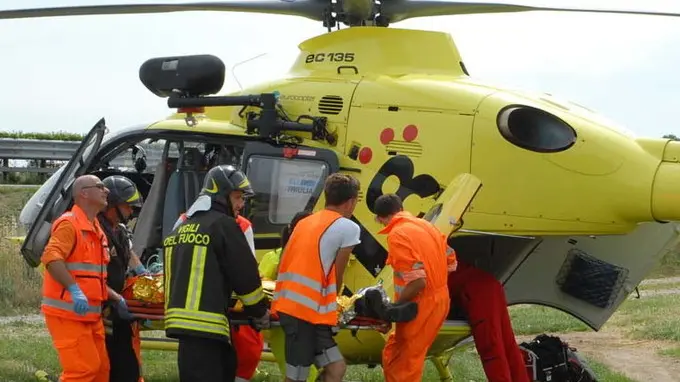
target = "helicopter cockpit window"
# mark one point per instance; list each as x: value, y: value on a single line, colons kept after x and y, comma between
x: 534, y: 129
x: 139, y: 157
x: 283, y: 188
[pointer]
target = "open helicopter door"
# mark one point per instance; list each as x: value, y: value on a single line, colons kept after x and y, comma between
x: 447, y: 215
x: 59, y: 197
x: 447, y: 212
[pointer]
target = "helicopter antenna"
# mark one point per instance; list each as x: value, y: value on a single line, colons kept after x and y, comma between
x: 233, y: 68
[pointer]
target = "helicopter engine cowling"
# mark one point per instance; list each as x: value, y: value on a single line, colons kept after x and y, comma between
x: 665, y: 198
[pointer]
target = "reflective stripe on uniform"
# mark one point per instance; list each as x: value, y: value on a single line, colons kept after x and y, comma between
x: 59, y: 304
x: 306, y: 301
x: 306, y: 281
x: 252, y: 298
x: 167, y: 266
x: 297, y: 373
x: 176, y: 323
x: 86, y: 267
x: 180, y: 318
x: 195, y: 287
x: 328, y: 356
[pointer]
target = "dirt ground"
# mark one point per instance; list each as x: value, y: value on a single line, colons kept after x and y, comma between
x: 637, y: 359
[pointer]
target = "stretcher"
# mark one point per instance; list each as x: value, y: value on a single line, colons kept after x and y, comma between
x: 156, y: 311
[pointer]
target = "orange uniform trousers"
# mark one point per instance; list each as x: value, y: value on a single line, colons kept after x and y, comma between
x: 81, y: 348
x: 248, y: 344
x: 137, y: 345
x: 403, y: 358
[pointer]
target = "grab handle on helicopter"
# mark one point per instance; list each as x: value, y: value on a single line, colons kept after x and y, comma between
x: 356, y: 70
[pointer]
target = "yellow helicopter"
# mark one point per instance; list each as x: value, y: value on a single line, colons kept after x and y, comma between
x: 559, y: 205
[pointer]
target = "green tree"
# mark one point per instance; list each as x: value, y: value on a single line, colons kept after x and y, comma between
x: 671, y: 136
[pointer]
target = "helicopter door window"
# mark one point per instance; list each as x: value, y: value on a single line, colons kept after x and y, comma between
x: 283, y: 187
x: 534, y: 129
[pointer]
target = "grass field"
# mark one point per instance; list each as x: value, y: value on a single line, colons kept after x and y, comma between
x: 26, y: 347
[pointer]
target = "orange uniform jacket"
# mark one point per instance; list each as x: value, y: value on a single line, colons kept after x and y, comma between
x: 416, y: 250
x: 86, y: 260
x: 79, y: 340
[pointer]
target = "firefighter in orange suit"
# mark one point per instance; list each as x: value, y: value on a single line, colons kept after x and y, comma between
x: 310, y: 275
x: 248, y: 342
x: 421, y: 261
x: 74, y: 287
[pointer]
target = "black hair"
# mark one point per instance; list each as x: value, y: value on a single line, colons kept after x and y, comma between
x: 388, y: 204
x: 288, y: 230
x: 340, y: 188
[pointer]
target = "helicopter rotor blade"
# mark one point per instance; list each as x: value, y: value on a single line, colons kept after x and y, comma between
x: 391, y: 11
x: 311, y: 9
x: 399, y: 10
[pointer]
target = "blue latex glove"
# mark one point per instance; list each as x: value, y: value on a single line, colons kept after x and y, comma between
x: 80, y: 304
x: 122, y: 310
x: 140, y: 270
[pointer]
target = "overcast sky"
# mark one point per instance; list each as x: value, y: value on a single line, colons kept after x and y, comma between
x: 65, y: 73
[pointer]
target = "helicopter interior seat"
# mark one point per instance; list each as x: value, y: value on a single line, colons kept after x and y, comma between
x: 183, y: 187
x: 147, y: 237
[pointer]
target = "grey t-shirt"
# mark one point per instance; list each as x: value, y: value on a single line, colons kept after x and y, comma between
x: 342, y: 233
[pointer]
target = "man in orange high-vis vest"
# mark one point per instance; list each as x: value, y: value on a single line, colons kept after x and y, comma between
x: 248, y: 342
x: 421, y: 260
x: 74, y: 287
x: 310, y: 275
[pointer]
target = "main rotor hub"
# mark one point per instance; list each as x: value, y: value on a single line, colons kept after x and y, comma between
x: 354, y: 13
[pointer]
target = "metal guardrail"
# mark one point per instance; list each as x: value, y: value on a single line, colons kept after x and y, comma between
x: 37, y: 149
x: 33, y: 149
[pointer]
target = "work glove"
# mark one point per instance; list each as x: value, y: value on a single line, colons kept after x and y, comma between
x: 262, y: 322
x: 80, y: 304
x: 140, y: 270
x: 122, y: 310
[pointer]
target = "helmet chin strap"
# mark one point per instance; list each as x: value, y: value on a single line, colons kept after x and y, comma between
x: 121, y: 219
x: 226, y: 203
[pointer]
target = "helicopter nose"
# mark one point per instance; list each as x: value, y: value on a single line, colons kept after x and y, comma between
x: 666, y: 186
